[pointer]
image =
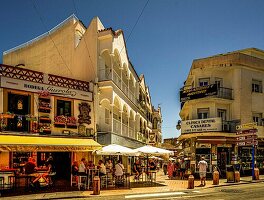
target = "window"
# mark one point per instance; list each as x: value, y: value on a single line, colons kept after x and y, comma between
x: 257, y: 117
x: 256, y: 86
x: 204, y: 81
x: 107, y: 116
x: 219, y: 82
x: 221, y: 113
x: 64, y: 108
x: 203, y: 113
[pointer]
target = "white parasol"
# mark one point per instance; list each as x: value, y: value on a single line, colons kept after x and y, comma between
x: 114, y: 149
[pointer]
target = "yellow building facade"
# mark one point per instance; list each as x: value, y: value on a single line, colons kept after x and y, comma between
x: 221, y: 92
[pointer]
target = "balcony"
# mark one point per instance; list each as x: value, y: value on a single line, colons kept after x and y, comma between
x: 106, y: 75
x: 224, y: 93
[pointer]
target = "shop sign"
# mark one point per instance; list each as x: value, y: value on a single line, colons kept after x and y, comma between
x: 201, y: 145
x: 39, y: 87
x: 201, y: 125
x: 198, y: 92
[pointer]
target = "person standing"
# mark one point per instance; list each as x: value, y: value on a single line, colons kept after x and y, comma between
x: 202, y: 165
x: 170, y: 169
x: 82, y: 168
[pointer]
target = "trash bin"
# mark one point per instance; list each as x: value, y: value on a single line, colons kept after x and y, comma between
x: 230, y: 173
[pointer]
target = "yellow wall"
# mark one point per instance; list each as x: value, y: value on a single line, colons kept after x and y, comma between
x: 4, y: 159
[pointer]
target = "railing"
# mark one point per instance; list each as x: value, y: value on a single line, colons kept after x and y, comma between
x: 116, y: 79
x: 124, y: 88
x: 132, y: 133
x: 224, y: 93
x: 230, y: 126
x: 131, y: 96
x: 105, y: 74
x: 116, y: 126
x: 125, y: 130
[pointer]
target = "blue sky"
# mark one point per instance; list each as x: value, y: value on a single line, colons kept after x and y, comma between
x: 168, y: 36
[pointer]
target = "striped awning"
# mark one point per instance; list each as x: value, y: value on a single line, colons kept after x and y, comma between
x: 49, y: 144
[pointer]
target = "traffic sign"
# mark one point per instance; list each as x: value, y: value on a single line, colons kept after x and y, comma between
x: 247, y: 137
x: 252, y: 125
x: 247, y: 143
x: 247, y: 132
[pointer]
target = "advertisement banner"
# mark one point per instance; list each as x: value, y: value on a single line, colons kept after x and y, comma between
x: 198, y: 92
x: 201, y: 125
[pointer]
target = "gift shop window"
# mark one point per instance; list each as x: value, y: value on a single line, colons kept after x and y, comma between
x: 64, y: 108
x: 19, y: 106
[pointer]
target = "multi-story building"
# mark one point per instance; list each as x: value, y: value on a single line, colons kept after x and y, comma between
x: 44, y: 114
x: 220, y: 93
x: 122, y: 106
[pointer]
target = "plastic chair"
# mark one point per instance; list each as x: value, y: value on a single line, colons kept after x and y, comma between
x: 104, y: 180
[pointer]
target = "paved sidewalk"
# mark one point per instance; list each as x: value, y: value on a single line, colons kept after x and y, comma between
x: 169, y: 186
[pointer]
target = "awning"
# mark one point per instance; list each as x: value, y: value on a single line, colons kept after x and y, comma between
x: 50, y: 144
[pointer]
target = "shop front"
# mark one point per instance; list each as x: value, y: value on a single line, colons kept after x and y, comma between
x: 16, y: 150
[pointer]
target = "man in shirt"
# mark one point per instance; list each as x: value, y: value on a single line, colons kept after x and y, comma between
x: 202, y: 165
x: 102, y: 168
x: 30, y: 166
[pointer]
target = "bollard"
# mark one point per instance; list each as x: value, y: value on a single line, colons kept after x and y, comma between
x: 256, y: 174
x: 216, y: 178
x: 190, y: 182
x: 96, y: 185
x: 237, y: 176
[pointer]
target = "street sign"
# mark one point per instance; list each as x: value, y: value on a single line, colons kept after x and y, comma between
x: 247, y: 143
x: 248, y: 137
x: 247, y: 132
x: 252, y: 125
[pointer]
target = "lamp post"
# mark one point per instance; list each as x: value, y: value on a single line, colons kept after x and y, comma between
x: 178, y: 126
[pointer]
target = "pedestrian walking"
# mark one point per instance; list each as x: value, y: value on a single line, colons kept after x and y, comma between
x: 202, y: 165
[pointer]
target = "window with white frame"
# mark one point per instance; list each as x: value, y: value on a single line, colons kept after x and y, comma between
x: 204, y: 81
x: 256, y: 86
x: 203, y: 113
x: 221, y: 113
x: 257, y: 117
x: 219, y: 82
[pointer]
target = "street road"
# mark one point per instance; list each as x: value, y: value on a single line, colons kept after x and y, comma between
x: 253, y: 191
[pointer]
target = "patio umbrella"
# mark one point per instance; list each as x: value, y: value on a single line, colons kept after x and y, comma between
x: 114, y: 149
x: 154, y: 151
x: 150, y: 151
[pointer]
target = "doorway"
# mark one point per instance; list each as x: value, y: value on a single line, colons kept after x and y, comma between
x: 223, y: 158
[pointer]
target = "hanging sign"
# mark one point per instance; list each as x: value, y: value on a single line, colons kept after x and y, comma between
x: 198, y: 92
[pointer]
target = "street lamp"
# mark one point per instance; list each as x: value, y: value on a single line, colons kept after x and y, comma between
x: 178, y: 126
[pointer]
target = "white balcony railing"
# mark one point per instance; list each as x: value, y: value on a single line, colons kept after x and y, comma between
x: 124, y: 88
x: 131, y: 96
x: 124, y: 130
x: 116, y: 126
x: 116, y: 79
x: 132, y: 133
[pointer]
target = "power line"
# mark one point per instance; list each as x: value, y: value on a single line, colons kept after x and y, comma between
x: 42, y: 21
x: 74, y: 6
x: 135, y: 24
